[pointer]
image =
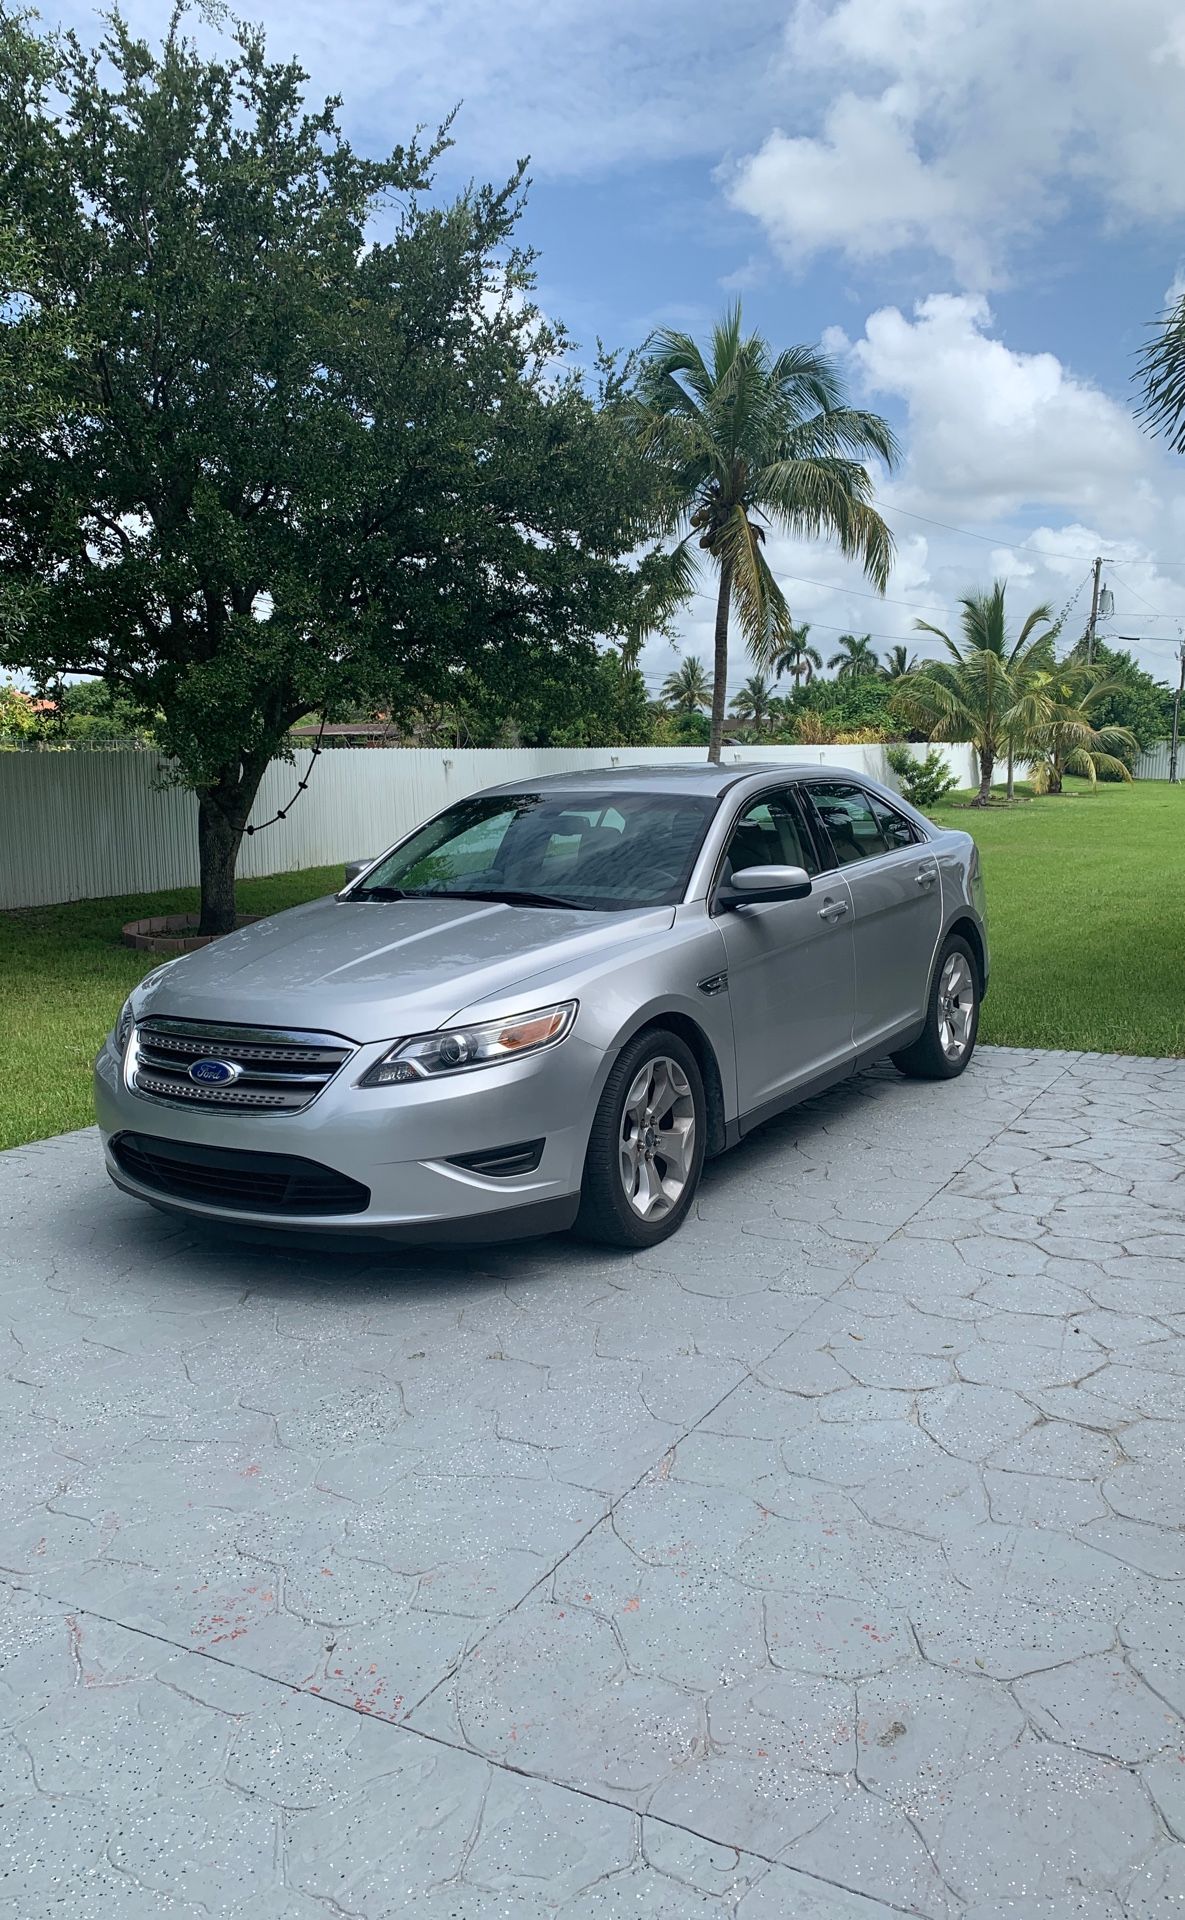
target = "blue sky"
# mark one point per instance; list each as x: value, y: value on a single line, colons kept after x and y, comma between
x: 978, y: 208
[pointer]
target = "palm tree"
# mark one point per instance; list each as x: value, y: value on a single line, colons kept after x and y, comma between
x: 978, y: 692
x: 856, y: 658
x: 1162, y: 377
x: 752, y: 702
x: 897, y: 663
x: 1060, y: 736
x: 798, y: 659
x: 752, y: 437
x: 687, y: 688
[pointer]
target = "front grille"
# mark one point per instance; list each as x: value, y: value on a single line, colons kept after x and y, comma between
x: 224, y: 1177
x: 280, y: 1072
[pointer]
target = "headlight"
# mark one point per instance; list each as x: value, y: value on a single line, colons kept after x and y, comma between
x: 124, y: 1025
x: 459, y: 1049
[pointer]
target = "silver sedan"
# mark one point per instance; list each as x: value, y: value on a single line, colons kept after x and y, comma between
x: 543, y: 1008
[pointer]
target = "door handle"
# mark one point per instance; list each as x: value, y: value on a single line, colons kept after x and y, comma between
x: 833, y: 910
x: 926, y: 876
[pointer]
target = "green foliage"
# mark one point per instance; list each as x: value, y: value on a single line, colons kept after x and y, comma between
x: 18, y: 722
x: 856, y: 658
x: 863, y: 701
x: 1162, y: 378
x: 798, y: 658
x: 753, y: 702
x: 977, y: 692
x: 687, y: 688
x: 680, y: 730
x: 923, y: 782
x: 1133, y: 698
x: 291, y: 436
x: 749, y: 438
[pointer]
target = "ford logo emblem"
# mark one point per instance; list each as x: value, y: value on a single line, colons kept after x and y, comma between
x: 214, y: 1073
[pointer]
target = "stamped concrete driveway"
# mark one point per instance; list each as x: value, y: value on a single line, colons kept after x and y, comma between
x: 825, y: 1563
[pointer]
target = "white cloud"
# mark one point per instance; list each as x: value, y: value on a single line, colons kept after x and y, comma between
x: 958, y: 126
x: 580, y: 89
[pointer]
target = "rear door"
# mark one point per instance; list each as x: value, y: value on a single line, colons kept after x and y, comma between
x: 897, y: 896
x: 791, y: 963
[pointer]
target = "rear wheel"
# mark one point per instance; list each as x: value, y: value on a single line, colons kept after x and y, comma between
x: 646, y: 1148
x: 947, y: 1041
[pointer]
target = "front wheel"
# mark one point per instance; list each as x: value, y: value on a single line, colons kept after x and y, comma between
x: 947, y: 1041
x: 646, y: 1148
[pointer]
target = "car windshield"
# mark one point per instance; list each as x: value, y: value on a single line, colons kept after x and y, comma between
x: 598, y: 851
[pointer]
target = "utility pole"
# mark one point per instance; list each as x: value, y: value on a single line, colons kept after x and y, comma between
x: 1094, y: 611
x: 1174, y: 781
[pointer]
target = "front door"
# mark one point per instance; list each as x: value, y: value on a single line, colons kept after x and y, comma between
x: 897, y: 894
x: 791, y: 963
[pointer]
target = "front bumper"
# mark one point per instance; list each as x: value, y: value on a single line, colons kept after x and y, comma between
x: 398, y: 1143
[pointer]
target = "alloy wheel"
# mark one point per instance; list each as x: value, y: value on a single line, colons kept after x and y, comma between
x: 656, y: 1150
x: 956, y: 1006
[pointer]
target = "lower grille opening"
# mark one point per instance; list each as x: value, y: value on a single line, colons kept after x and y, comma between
x: 500, y: 1163
x: 224, y: 1177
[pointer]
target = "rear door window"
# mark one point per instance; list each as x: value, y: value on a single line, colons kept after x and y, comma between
x: 849, y: 821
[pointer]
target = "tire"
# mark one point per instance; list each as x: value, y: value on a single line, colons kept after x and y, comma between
x: 629, y: 1133
x: 930, y: 1057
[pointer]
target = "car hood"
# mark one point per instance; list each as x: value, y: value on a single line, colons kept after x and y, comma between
x: 375, y: 970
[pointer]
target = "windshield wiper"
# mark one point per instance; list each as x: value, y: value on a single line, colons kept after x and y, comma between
x: 504, y: 895
x: 507, y: 896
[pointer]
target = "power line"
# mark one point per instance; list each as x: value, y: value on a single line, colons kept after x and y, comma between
x: 1026, y: 546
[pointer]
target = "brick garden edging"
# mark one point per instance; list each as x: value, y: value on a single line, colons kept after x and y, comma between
x: 174, y: 932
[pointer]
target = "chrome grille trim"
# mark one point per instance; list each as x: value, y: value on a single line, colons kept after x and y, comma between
x: 299, y: 1065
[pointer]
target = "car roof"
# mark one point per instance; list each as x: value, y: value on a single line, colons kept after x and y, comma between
x: 688, y: 777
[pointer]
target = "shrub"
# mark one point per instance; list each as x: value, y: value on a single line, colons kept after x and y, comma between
x: 923, y: 782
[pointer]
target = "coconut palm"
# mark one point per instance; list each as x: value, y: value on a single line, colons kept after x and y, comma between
x: 856, y: 659
x: 752, y: 438
x: 1162, y: 376
x: 753, y: 701
x: 1060, y: 736
x: 978, y: 692
x: 797, y: 658
x: 687, y: 689
x: 897, y: 663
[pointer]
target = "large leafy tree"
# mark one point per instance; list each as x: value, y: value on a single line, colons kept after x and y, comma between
x: 282, y: 433
x: 752, y: 439
x: 856, y: 657
x: 975, y: 693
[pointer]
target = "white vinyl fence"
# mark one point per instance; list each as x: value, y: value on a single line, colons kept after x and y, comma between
x: 1153, y: 763
x: 83, y: 826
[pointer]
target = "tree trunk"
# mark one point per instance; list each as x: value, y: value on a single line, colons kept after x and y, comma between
x: 720, y: 664
x: 1055, y: 779
x: 1011, y: 784
x: 987, y: 763
x: 222, y: 816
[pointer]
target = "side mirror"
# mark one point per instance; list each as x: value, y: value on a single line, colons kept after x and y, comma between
x: 355, y: 867
x: 767, y: 883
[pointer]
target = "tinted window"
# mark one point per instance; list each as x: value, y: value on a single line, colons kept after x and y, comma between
x: 852, y: 827
x: 588, y: 849
x: 896, y: 830
x: 771, y: 833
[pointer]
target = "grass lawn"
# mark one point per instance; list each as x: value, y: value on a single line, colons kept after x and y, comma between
x: 1086, y: 896
x: 64, y: 976
x: 1086, y: 915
